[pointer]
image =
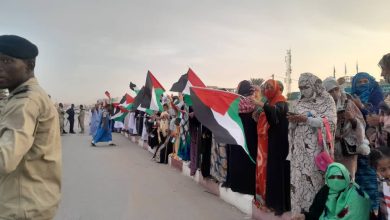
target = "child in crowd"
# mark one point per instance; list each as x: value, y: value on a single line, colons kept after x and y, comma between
x: 380, y: 161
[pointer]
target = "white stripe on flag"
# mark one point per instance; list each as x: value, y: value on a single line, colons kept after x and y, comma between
x: 141, y: 109
x: 153, y: 102
x: 117, y: 115
x: 232, y: 127
x: 186, y: 89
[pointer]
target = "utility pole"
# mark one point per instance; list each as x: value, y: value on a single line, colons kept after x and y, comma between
x: 357, y: 66
x: 273, y: 76
x: 345, y: 69
x: 288, y: 71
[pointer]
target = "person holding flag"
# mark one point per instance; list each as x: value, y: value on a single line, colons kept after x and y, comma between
x: 273, y: 190
x: 104, y: 131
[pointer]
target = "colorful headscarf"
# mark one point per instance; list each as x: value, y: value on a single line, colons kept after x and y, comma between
x: 345, y: 199
x: 275, y: 95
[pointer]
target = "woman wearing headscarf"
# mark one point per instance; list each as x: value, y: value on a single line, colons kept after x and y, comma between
x: 272, y: 128
x: 315, y: 103
x: 241, y: 170
x: 339, y: 199
x: 368, y: 96
x: 350, y: 127
x: 95, y: 119
x: 366, y: 88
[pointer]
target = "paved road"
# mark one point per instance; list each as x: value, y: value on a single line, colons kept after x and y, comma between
x: 121, y: 183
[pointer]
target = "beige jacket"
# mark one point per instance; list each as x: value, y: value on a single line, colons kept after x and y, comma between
x: 30, y: 155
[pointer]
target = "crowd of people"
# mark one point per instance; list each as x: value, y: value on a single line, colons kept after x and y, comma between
x: 70, y: 114
x: 324, y: 156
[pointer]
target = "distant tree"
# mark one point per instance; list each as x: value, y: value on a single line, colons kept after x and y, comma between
x: 257, y: 81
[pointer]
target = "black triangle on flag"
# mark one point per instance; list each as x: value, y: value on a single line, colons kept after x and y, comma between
x: 180, y: 85
x: 132, y: 86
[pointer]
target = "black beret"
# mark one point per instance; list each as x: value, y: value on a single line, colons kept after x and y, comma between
x: 17, y: 47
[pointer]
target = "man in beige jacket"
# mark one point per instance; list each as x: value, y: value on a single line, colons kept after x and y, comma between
x: 61, y: 117
x: 81, y: 118
x: 30, y: 144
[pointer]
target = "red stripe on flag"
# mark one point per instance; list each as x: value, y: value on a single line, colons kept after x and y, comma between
x: 129, y: 99
x: 156, y: 84
x: 194, y: 79
x: 217, y: 100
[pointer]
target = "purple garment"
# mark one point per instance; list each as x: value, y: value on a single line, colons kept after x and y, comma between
x: 194, y: 150
x: 195, y: 137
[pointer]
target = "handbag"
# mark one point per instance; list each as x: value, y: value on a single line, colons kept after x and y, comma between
x: 323, y: 159
x: 347, y: 149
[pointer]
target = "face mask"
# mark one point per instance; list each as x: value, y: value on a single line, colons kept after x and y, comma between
x: 269, y: 94
x: 336, y: 184
x: 362, y: 88
x: 307, y: 93
x: 363, y: 91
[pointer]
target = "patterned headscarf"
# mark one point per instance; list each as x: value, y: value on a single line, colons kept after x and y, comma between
x: 321, y: 104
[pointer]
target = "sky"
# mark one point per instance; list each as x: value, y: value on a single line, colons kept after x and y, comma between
x: 88, y: 47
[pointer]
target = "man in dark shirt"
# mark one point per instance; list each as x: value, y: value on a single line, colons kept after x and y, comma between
x: 70, y: 113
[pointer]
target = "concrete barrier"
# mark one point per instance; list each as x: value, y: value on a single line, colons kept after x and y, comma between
x: 186, y: 169
x: 177, y: 164
x: 242, y: 201
x: 258, y: 214
x: 210, y: 185
x: 140, y: 142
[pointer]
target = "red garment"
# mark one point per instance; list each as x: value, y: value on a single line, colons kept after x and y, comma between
x: 274, y: 96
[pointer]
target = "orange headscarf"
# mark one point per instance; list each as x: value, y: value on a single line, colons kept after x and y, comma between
x: 274, y: 96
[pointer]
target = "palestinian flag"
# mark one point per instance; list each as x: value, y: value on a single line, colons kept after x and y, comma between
x: 119, y: 114
x: 218, y: 111
x: 185, y: 82
x: 133, y: 87
x: 138, y: 99
x: 120, y: 111
x: 126, y: 102
x: 152, y: 93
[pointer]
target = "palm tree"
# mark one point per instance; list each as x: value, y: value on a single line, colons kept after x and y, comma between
x: 257, y: 81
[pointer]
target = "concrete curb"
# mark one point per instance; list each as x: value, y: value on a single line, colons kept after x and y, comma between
x: 243, y: 202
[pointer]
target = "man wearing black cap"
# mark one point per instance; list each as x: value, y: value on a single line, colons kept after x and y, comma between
x: 30, y: 145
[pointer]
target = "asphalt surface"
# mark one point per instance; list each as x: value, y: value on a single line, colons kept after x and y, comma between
x: 121, y: 183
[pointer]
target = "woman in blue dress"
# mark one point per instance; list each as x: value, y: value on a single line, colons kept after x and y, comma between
x: 103, y: 133
x: 95, y: 120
